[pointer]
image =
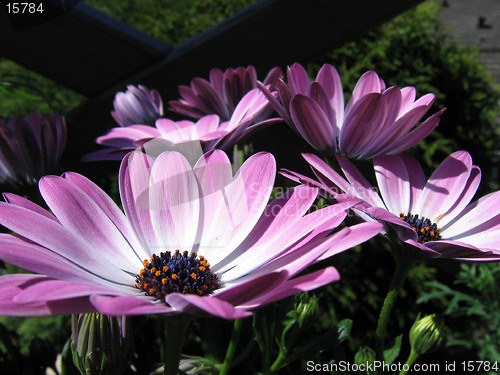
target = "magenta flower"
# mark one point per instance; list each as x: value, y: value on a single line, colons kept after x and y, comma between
x: 31, y: 147
x: 376, y: 120
x: 189, y: 138
x: 137, y: 105
x: 432, y: 215
x: 221, y: 94
x: 194, y: 240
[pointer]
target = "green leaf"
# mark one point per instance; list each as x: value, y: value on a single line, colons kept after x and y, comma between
x: 392, y: 353
x: 344, y: 329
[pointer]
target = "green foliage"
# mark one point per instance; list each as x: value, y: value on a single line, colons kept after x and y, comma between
x: 170, y: 21
x: 474, y: 306
x: 23, y: 91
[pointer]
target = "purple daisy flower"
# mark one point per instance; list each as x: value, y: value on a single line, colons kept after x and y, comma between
x: 194, y: 240
x: 190, y: 138
x: 376, y: 121
x: 433, y: 215
x: 222, y: 93
x: 137, y: 105
x: 31, y: 147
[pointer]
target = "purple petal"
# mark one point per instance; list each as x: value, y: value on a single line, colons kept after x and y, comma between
x: 128, y: 305
x: 327, y: 176
x: 278, y: 107
x: 362, y: 124
x: 125, y: 137
x: 312, y: 123
x: 12, y: 285
x: 367, y: 84
x: 357, y: 234
x: 362, y: 187
x: 242, y: 292
x: 299, y: 284
x: 193, y: 304
x: 316, y: 92
x: 329, y: 79
x: 53, y: 290
x: 416, y: 135
x: 298, y: 80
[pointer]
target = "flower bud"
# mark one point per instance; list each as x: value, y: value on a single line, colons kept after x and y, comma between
x: 364, y: 356
x: 101, y: 345
x: 306, y: 309
x: 427, y: 334
x: 137, y: 105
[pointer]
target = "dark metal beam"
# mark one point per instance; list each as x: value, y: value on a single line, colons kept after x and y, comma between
x: 83, y: 49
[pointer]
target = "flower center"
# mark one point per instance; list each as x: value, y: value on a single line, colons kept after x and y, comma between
x: 176, y: 273
x: 426, y: 229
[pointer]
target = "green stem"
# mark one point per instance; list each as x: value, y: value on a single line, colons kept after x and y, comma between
x: 231, y: 349
x: 278, y: 363
x: 409, y: 362
x: 176, y: 328
x: 403, y: 265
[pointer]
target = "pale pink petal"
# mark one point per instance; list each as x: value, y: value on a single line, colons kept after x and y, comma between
x: 23, y: 202
x: 465, y: 198
x: 80, y: 214
x: 471, y: 218
x: 35, y: 258
x: 445, y: 186
x: 236, y: 209
x: 417, y: 180
x: 394, y: 182
x: 134, y: 192
x: 54, y: 236
x: 174, y: 202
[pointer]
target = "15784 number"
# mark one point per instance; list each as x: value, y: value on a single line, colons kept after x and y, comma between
x: 14, y: 8
x: 479, y: 366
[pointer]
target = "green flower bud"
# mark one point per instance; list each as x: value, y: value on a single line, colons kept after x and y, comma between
x: 306, y: 309
x: 101, y: 345
x: 365, y: 356
x: 427, y: 334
